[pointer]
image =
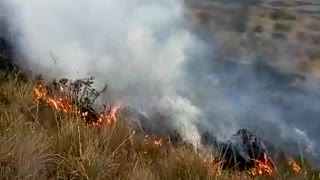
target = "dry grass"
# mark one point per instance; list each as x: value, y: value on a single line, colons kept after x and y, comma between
x: 37, y: 143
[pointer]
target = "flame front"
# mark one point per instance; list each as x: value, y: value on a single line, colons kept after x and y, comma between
x: 63, y: 103
x: 263, y: 167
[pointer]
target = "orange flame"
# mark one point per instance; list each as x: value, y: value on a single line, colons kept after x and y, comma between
x: 158, y: 143
x: 262, y: 167
x: 108, y: 116
x: 294, y: 166
x: 63, y: 103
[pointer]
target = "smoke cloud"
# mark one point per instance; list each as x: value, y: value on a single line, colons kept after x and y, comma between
x: 152, y: 61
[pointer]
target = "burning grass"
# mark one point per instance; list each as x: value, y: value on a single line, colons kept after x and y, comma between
x: 48, y: 134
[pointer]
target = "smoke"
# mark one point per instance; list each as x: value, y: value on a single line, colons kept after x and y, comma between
x: 152, y: 61
x: 136, y: 47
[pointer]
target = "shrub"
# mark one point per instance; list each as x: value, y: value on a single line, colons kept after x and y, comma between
x: 282, y: 15
x: 281, y: 27
x: 258, y: 29
x: 310, y: 37
x: 279, y: 36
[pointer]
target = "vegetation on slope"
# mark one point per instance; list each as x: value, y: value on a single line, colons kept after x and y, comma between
x: 38, y: 143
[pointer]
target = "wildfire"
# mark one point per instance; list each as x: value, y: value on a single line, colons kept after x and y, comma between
x: 61, y: 101
x: 294, y: 166
x: 158, y: 143
x: 263, y: 167
x: 108, y: 116
x: 64, y: 103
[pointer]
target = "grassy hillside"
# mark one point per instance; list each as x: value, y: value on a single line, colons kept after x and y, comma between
x: 285, y: 33
x: 39, y: 143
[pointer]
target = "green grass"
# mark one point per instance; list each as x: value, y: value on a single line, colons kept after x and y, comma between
x: 38, y: 143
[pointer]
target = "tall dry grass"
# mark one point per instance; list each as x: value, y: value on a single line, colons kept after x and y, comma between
x: 38, y: 143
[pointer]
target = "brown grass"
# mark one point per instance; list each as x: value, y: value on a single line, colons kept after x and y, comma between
x: 37, y: 143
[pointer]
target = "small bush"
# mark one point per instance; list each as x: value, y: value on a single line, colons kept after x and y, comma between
x: 282, y: 15
x: 281, y: 27
x: 310, y: 37
x: 258, y: 29
x: 279, y: 36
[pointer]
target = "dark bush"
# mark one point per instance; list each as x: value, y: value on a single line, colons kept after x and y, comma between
x: 281, y: 27
x: 308, y: 37
x: 282, y: 15
x: 279, y: 36
x: 258, y: 29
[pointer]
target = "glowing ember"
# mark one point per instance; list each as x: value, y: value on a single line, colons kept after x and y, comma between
x: 295, y: 167
x: 158, y: 143
x: 262, y: 167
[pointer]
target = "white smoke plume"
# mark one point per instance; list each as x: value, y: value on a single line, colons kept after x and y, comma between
x: 135, y: 46
x: 150, y: 60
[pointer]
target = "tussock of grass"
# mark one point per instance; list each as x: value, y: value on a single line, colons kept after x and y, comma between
x: 283, y: 27
x: 282, y: 15
x: 37, y: 143
x: 279, y: 36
